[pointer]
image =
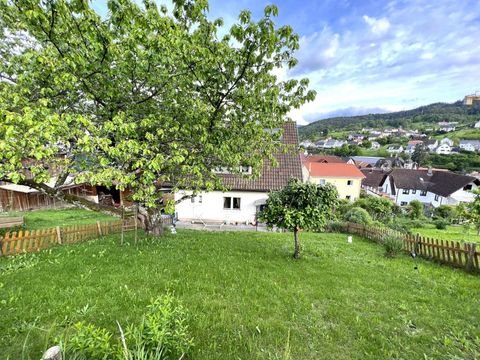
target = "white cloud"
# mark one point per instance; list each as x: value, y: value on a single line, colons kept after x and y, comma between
x: 377, y: 26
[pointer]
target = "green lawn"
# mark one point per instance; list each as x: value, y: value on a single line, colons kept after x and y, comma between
x: 452, y: 232
x: 39, y: 219
x: 247, y: 298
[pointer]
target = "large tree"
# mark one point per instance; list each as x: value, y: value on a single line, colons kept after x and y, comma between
x: 300, y: 206
x: 139, y: 98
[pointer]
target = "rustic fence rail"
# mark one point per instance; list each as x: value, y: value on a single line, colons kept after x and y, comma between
x: 19, y: 242
x: 453, y: 253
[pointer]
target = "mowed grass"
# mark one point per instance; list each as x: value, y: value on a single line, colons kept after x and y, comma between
x: 247, y: 298
x: 452, y: 232
x: 39, y: 219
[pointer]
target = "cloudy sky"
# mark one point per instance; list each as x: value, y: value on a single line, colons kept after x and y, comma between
x: 364, y: 56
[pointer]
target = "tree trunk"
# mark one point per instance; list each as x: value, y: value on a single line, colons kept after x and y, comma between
x: 151, y: 220
x: 296, y: 254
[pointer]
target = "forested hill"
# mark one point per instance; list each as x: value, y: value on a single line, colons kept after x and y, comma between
x: 418, y: 118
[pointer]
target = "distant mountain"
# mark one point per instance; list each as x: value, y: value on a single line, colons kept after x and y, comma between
x: 418, y: 118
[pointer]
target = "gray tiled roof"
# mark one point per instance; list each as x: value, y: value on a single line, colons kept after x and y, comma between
x: 272, y: 178
x: 443, y: 183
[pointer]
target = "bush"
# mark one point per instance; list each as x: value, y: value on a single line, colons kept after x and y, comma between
x: 358, y: 216
x: 441, y: 224
x: 393, y: 246
x: 161, y: 334
x: 335, y: 226
x: 415, y: 210
x: 401, y: 227
x: 444, y: 212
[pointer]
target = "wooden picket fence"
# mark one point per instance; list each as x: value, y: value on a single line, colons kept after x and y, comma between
x: 35, y: 240
x: 452, y: 253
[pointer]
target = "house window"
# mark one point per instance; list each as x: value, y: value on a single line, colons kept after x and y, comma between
x: 231, y: 202
x: 192, y: 199
x: 348, y: 197
x: 350, y: 182
x: 414, y: 191
x: 436, y: 197
x: 322, y: 181
x: 467, y: 187
x: 200, y: 199
x: 423, y: 193
x: 403, y: 203
x: 406, y: 191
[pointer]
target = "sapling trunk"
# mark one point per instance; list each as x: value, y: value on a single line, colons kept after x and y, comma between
x: 296, y: 254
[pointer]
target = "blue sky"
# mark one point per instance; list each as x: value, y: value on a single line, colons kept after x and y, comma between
x: 365, y: 56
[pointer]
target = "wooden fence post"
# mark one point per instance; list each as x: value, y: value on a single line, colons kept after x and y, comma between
x: 99, y: 228
x: 59, y: 234
x: 1, y: 245
x: 415, y: 246
x: 472, y: 247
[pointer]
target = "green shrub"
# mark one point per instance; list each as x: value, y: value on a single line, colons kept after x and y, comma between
x: 415, y: 210
x: 441, y: 224
x: 335, y: 226
x: 358, y: 216
x: 444, y: 212
x: 162, y: 334
x: 393, y: 246
x: 401, y: 227
x: 90, y: 342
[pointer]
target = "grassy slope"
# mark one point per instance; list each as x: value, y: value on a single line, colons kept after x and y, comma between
x: 457, y: 233
x: 39, y: 219
x: 248, y: 298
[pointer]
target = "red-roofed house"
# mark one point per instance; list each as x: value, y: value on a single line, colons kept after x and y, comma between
x: 347, y: 178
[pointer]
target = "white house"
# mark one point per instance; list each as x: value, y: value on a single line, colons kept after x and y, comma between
x: 430, y: 144
x: 443, y: 149
x: 375, y: 145
x: 411, y: 146
x: 395, y: 149
x: 477, y: 125
x: 470, y: 145
x: 447, y: 141
x: 333, y: 143
x: 430, y: 187
x: 447, y: 126
x: 246, y: 196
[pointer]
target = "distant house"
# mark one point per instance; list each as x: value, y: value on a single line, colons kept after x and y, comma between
x: 477, y: 125
x: 346, y: 178
x: 447, y: 126
x: 395, y: 149
x: 356, y: 137
x: 307, y: 144
x: 470, y: 145
x: 444, y: 149
x: 390, y: 163
x: 333, y: 143
x: 364, y: 161
x: 430, y: 144
x: 328, y: 159
x: 447, y: 141
x: 412, y: 145
x: 375, y: 145
x: 246, y: 196
x: 430, y: 187
x: 320, y: 144
x: 371, y: 184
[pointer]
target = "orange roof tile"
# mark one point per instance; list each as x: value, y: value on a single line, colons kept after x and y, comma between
x: 334, y: 170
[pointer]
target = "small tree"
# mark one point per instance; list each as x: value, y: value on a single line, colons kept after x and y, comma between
x: 474, y: 211
x: 415, y: 210
x: 380, y: 209
x: 300, y: 206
